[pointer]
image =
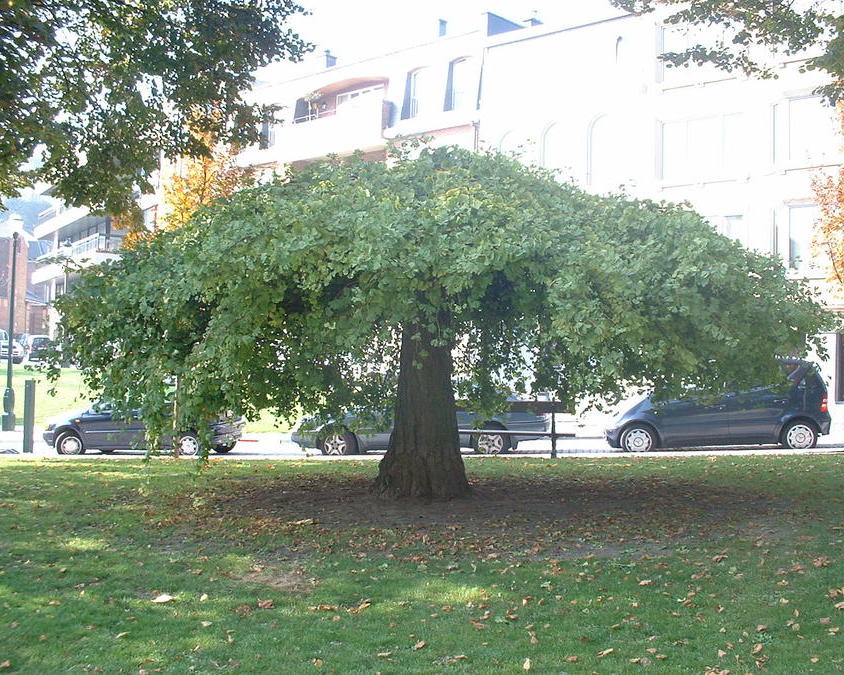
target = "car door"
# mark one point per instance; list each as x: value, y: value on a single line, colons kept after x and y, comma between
x: 693, y: 421
x: 756, y: 414
x: 100, y: 429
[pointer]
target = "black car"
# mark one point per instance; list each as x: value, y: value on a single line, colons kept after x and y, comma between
x: 39, y: 346
x: 96, y: 429
x: 792, y: 414
x: 334, y: 439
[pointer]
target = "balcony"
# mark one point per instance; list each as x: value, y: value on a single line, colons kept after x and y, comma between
x: 91, y: 250
x: 339, y: 131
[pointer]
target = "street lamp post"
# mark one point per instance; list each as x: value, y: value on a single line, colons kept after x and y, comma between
x: 9, y: 394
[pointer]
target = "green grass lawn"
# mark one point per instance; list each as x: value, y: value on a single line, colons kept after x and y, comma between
x: 71, y: 393
x: 694, y: 565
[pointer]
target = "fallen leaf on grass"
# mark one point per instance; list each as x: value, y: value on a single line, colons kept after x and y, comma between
x: 526, y: 665
x: 362, y: 606
x: 604, y: 653
x: 419, y: 645
x: 265, y: 604
x: 384, y: 655
x: 121, y: 635
x: 162, y: 597
x: 5, y: 664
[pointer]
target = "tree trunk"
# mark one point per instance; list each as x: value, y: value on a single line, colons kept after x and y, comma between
x: 423, y: 458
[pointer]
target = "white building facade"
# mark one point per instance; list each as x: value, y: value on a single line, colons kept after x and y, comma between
x: 593, y: 100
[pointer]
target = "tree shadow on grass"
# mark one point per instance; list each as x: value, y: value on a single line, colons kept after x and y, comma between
x: 562, y: 517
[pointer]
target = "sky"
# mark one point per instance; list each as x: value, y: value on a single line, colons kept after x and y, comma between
x: 357, y: 29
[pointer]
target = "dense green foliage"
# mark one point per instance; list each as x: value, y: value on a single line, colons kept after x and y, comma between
x: 293, y: 295
x: 739, y: 28
x: 95, y: 90
x: 688, y: 565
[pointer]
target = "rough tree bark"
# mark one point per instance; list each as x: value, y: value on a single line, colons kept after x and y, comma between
x: 423, y: 458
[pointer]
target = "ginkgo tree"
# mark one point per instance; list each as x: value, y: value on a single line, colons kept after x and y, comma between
x: 354, y: 284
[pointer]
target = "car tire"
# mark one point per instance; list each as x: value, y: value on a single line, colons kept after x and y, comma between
x: 223, y: 449
x: 338, y: 444
x: 639, y: 438
x: 188, y: 444
x: 799, y: 435
x: 490, y: 444
x: 69, y: 443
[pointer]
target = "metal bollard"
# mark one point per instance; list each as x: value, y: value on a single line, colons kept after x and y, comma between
x: 28, y: 415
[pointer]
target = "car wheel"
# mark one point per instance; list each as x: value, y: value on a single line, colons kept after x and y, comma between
x: 188, y: 444
x: 223, y: 449
x: 338, y: 444
x: 69, y: 444
x: 638, y: 438
x: 491, y: 444
x: 799, y: 435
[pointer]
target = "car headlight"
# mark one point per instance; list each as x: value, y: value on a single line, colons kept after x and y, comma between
x: 49, y: 427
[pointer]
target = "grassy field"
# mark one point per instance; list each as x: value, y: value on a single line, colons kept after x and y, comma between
x: 697, y: 565
x: 71, y: 393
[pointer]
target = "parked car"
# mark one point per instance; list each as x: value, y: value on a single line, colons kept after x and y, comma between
x: 346, y: 438
x: 18, y: 353
x: 792, y: 414
x: 38, y: 347
x: 95, y: 428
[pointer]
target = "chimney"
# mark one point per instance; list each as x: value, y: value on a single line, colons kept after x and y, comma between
x: 533, y: 20
x: 443, y: 27
x: 330, y: 59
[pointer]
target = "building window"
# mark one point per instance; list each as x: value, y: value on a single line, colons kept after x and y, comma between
x: 267, y: 137
x: 735, y: 227
x: 350, y: 98
x: 508, y: 144
x: 553, y: 147
x: 673, y: 39
x: 801, y: 221
x: 606, y: 166
x: 703, y: 148
x: 805, y: 131
x: 459, y: 90
x: 150, y: 218
x: 417, y: 97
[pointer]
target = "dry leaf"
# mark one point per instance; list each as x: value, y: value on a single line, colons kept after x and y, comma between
x: 163, y: 597
x: 384, y: 655
x: 120, y: 635
x: 419, y: 644
x: 526, y: 665
x: 265, y: 604
x: 572, y: 659
x: 604, y: 653
x: 757, y: 648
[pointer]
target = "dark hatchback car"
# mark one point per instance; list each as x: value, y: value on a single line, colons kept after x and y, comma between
x: 793, y: 415
x: 96, y: 429
x: 332, y: 440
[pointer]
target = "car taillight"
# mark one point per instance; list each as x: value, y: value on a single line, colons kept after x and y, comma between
x: 824, y: 406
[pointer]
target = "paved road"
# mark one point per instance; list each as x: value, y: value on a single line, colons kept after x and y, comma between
x: 279, y: 446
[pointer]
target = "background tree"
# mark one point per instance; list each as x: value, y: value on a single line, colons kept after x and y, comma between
x: 780, y: 26
x: 94, y: 91
x: 189, y: 184
x: 367, y: 285
x: 829, y: 229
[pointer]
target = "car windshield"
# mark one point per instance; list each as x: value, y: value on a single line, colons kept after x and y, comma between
x: 40, y: 342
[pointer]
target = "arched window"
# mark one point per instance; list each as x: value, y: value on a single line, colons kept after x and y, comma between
x: 508, y: 143
x: 607, y: 162
x: 417, y: 95
x: 553, y: 147
x: 460, y: 93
